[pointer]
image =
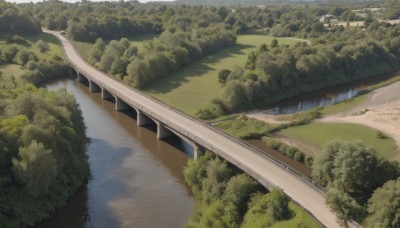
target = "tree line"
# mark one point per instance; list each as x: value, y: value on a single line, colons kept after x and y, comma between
x: 274, y: 72
x: 159, y: 57
x: 359, y: 185
x: 42, y: 134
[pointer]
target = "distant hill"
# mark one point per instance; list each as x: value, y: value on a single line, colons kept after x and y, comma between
x: 263, y: 2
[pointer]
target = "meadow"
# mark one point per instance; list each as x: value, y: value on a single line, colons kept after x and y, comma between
x: 319, y: 134
x: 193, y: 87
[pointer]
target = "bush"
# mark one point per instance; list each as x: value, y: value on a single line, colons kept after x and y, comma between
x: 42, y: 46
x: 291, y: 151
x: 380, y: 135
x: 299, y: 156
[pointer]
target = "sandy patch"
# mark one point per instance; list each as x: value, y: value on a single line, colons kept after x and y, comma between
x: 381, y: 111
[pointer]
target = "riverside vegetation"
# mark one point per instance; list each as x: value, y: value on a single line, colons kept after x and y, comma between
x: 42, y: 134
x: 273, y: 71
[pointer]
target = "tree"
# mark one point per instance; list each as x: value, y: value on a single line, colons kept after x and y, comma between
x: 238, y: 191
x: 274, y: 43
x: 36, y: 168
x: 223, y: 75
x: 42, y: 46
x: 384, y: 206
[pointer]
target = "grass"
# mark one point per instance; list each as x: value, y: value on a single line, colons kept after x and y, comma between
x: 54, y: 46
x: 139, y: 40
x: 54, y: 50
x: 319, y: 134
x: 12, y: 69
x: 345, y: 105
x: 355, y: 101
x: 300, y: 219
x: 193, y: 87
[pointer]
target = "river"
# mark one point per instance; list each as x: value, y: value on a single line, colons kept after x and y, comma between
x: 326, y: 96
x: 135, y: 180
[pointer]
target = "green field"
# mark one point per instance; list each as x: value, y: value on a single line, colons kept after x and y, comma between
x: 345, y: 105
x: 319, y: 134
x: 193, y: 87
x: 12, y: 69
x: 54, y: 50
x: 54, y: 45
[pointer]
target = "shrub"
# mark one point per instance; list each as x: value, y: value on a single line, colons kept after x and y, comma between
x: 299, y: 156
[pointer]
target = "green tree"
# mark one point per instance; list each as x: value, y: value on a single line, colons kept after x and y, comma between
x: 36, y: 168
x: 384, y: 206
x: 42, y: 46
x: 223, y: 75
x: 274, y: 43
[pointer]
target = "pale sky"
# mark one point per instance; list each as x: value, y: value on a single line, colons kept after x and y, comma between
x: 24, y: 1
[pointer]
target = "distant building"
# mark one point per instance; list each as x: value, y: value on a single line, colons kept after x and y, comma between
x: 326, y: 17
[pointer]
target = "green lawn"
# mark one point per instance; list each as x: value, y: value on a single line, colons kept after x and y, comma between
x: 345, y: 105
x: 139, y: 40
x: 319, y: 134
x: 54, y: 46
x: 12, y: 69
x: 193, y: 87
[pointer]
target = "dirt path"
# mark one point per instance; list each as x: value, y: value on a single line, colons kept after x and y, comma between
x: 381, y: 111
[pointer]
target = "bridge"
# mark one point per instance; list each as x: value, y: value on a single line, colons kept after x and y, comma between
x: 266, y: 170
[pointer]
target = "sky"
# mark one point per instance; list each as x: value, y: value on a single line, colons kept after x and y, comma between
x: 24, y: 1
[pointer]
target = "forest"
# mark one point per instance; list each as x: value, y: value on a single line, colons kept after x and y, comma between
x: 42, y: 134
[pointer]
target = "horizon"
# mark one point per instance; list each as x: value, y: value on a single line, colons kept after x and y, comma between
x: 72, y: 1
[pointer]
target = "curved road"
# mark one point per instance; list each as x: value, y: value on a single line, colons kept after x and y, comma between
x: 265, y: 170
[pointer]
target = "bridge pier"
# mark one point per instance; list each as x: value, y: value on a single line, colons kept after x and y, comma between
x: 120, y: 104
x: 105, y: 94
x: 162, y: 131
x: 198, y: 151
x: 81, y: 78
x: 93, y: 87
x: 142, y: 119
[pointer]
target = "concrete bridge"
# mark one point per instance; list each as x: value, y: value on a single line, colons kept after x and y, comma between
x: 266, y: 170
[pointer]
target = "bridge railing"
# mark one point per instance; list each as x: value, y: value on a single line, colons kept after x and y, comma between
x: 203, y: 142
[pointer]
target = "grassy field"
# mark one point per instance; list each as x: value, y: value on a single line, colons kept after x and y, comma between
x: 319, y: 134
x: 344, y: 106
x: 193, y: 87
x: 12, y: 69
x: 54, y: 46
x: 54, y: 50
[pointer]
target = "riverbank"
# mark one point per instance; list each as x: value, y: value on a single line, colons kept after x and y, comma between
x: 381, y: 111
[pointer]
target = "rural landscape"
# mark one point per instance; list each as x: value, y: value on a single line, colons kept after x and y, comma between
x: 189, y: 113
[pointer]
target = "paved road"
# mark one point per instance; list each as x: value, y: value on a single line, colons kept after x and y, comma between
x: 258, y: 166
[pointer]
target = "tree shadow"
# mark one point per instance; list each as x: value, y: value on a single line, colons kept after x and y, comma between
x: 196, y: 69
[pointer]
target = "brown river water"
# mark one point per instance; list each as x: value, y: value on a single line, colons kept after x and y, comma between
x: 135, y: 180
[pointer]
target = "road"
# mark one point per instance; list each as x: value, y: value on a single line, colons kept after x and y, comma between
x: 260, y: 167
